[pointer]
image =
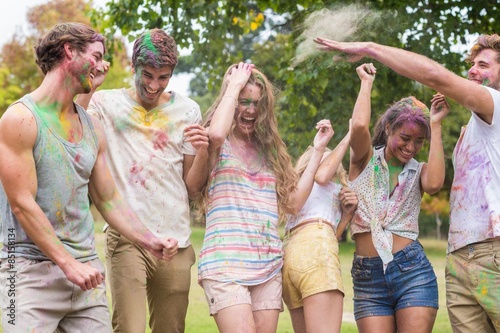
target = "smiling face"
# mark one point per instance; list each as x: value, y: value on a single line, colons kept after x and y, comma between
x: 485, y: 69
x: 246, y: 112
x: 86, y: 64
x: 150, y: 83
x: 404, y: 143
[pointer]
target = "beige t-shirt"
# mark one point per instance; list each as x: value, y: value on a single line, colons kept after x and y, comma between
x: 145, y: 155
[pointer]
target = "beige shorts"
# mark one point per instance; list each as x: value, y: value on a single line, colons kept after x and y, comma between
x: 265, y: 296
x: 39, y: 298
x: 311, y: 263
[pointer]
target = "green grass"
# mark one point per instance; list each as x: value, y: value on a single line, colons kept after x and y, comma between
x: 198, y: 319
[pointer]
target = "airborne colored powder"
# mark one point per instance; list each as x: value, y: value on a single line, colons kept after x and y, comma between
x: 339, y: 23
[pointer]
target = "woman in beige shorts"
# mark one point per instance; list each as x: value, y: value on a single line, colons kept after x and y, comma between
x: 312, y: 280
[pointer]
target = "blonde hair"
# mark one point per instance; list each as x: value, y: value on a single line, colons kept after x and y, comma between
x: 303, y: 161
x: 484, y: 42
x: 267, y: 138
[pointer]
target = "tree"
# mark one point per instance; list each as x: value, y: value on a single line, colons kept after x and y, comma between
x: 267, y: 33
x: 19, y: 73
x: 437, y: 206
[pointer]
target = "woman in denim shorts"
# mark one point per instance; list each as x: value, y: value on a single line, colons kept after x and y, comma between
x: 312, y: 280
x: 395, y: 288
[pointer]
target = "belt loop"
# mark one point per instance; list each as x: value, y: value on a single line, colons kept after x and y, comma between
x: 320, y: 223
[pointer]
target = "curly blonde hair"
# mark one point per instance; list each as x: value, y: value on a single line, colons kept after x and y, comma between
x: 268, y: 141
x: 484, y: 42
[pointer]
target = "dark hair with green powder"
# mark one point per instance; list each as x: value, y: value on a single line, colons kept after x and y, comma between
x: 155, y: 48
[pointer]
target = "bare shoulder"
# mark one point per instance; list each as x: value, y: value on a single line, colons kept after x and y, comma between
x: 18, y: 126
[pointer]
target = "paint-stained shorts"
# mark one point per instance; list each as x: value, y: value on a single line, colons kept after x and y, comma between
x: 472, y: 287
x: 264, y: 296
x: 409, y: 281
x: 311, y: 263
x: 38, y: 297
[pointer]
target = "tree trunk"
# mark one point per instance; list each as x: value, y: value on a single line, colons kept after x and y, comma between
x: 438, y: 225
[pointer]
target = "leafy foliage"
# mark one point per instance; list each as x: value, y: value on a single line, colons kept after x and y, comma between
x: 267, y: 33
x: 19, y: 73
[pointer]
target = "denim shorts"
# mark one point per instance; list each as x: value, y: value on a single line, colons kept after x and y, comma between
x: 409, y: 281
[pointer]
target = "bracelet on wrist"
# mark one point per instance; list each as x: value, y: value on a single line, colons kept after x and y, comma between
x: 235, y: 100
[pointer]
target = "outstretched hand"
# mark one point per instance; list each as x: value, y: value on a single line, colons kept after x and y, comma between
x: 353, y: 51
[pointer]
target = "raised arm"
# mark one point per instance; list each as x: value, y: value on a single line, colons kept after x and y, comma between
x: 360, y: 142
x: 224, y: 114
x: 433, y: 172
x: 306, y: 181
x: 18, y: 131
x: 421, y: 69
x: 116, y: 211
x: 328, y: 167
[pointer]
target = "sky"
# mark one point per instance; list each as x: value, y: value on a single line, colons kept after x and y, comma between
x: 13, y: 18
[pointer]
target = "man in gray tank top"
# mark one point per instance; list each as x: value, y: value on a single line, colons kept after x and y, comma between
x: 52, y: 159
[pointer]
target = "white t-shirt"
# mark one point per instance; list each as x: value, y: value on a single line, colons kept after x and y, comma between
x: 145, y: 155
x: 475, y: 197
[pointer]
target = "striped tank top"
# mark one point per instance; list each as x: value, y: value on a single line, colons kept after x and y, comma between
x: 241, y: 244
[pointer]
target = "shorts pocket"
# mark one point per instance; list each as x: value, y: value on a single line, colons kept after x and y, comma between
x: 112, y: 240
x: 496, y: 262
x: 419, y: 260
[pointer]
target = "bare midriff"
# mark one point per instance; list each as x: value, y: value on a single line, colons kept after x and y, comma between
x: 365, y: 247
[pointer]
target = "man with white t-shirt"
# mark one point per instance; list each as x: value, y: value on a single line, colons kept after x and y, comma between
x: 158, y: 157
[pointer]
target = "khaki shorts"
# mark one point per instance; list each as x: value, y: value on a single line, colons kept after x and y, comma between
x: 311, y: 263
x: 265, y: 296
x: 39, y: 298
x: 472, y: 287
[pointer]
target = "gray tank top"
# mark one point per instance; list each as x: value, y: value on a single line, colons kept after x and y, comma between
x: 63, y: 169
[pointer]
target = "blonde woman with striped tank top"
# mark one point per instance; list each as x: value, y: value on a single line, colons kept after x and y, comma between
x: 251, y: 187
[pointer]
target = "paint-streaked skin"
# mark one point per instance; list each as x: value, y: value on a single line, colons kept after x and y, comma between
x: 404, y: 143
x: 246, y: 115
x: 66, y: 125
x: 150, y: 83
x: 485, y: 69
x: 87, y: 64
